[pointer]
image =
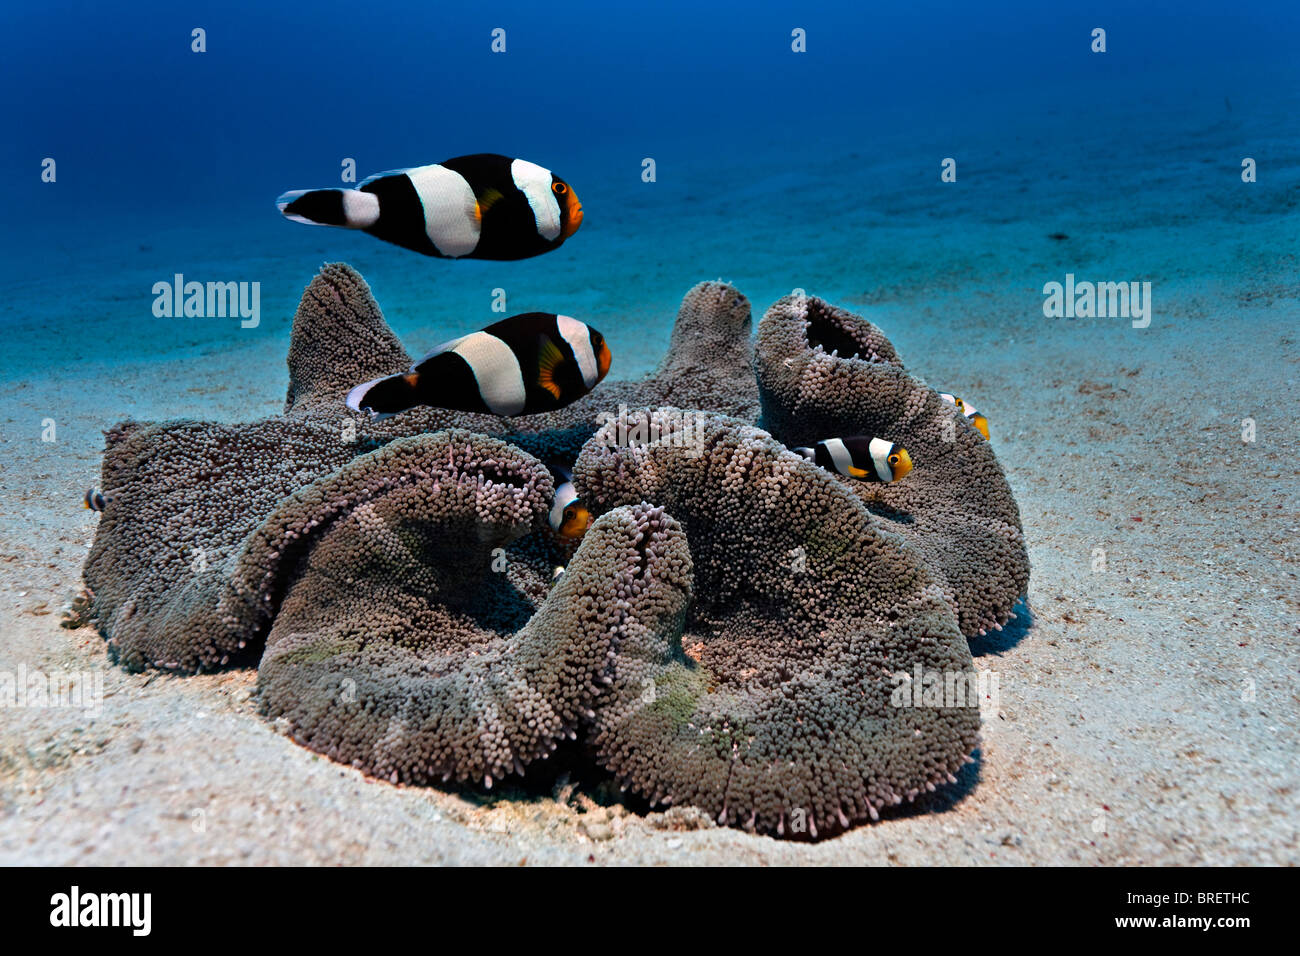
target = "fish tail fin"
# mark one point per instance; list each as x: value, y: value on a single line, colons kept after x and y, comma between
x: 330, y: 207
x: 385, y: 397
x: 808, y: 453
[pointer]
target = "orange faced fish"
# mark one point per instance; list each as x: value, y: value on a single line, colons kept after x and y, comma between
x: 860, y: 457
x: 968, y: 410
x: 94, y: 500
x: 483, y: 206
x: 528, y: 363
x: 569, y: 516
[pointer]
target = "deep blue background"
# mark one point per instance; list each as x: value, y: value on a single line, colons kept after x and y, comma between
x: 135, y: 119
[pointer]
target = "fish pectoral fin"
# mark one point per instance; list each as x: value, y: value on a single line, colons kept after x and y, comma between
x: 491, y: 196
x: 856, y: 472
x: 549, y: 358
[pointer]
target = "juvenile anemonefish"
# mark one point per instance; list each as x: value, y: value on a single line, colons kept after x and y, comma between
x: 94, y: 500
x: 860, y: 457
x: 569, y: 516
x: 968, y: 410
x: 483, y: 206
x: 529, y: 363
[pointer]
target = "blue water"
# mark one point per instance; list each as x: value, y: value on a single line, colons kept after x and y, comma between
x: 774, y: 168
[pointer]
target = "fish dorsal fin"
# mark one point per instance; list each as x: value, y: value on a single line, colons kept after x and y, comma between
x: 386, y: 173
x: 491, y: 196
x: 549, y: 358
x: 439, y: 349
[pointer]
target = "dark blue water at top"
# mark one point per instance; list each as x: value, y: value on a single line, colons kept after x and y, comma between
x: 175, y: 157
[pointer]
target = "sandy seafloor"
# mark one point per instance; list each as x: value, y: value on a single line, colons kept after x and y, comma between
x: 1148, y: 711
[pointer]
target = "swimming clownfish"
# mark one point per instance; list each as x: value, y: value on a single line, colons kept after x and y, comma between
x: 94, y: 500
x: 483, y: 206
x: 569, y: 517
x: 860, y: 457
x: 968, y: 410
x: 529, y: 363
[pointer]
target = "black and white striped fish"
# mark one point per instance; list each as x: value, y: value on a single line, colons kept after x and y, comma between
x: 569, y: 517
x: 968, y: 412
x: 860, y: 457
x: 94, y: 500
x: 523, y: 365
x: 483, y: 206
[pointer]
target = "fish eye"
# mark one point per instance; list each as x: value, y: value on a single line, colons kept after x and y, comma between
x: 568, y: 514
x: 893, y: 459
x: 961, y: 406
x: 559, y: 188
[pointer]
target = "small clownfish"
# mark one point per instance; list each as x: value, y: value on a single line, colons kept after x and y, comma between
x: 94, y: 500
x: 968, y: 410
x: 860, y: 457
x: 557, y: 573
x: 569, y: 516
x: 483, y: 206
x: 526, y: 364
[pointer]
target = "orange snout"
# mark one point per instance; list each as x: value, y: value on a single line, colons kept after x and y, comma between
x: 577, y: 520
x: 603, y: 359
x: 573, y: 211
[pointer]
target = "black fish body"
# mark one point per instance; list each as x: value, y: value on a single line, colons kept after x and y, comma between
x: 860, y: 457
x: 483, y: 206
x: 526, y: 364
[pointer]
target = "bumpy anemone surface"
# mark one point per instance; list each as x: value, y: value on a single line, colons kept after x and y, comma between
x: 183, y: 496
x: 726, y: 635
x: 775, y: 707
x: 824, y: 372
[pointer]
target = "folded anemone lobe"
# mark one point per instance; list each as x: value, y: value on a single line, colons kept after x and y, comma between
x: 372, y: 662
x: 477, y: 495
x: 824, y: 372
x: 710, y: 355
x: 339, y: 339
x: 771, y: 707
x: 181, y: 499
